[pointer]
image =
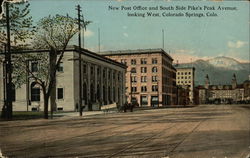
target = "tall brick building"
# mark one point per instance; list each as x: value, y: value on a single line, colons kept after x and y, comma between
x: 150, y: 76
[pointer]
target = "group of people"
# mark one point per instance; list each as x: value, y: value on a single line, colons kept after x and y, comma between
x: 128, y: 106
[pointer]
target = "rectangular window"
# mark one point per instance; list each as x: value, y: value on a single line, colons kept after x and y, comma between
x: 60, y: 67
x: 143, y: 69
x: 124, y: 61
x: 134, y: 89
x: 144, y: 89
x: 34, y: 67
x: 154, y: 60
x: 143, y: 78
x: 104, y: 73
x: 154, y: 88
x: 143, y: 61
x: 154, y: 78
x: 133, y: 79
x: 35, y: 94
x: 84, y: 69
x: 92, y: 71
x: 133, y: 61
x: 144, y: 100
x: 59, y: 93
x: 109, y: 73
x: 98, y: 71
x: 118, y: 76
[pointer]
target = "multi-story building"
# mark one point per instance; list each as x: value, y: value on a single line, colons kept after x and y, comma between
x: 150, y: 75
x: 246, y: 86
x: 102, y: 83
x: 234, y: 93
x: 185, y: 79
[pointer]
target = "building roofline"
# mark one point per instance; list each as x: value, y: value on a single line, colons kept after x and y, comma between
x: 72, y: 48
x: 184, y: 68
x: 135, y: 51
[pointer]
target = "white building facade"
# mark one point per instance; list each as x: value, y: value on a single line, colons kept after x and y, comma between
x: 102, y: 83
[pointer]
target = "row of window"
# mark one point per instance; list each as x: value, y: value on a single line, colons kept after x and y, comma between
x: 143, y: 79
x: 184, y: 81
x: 186, y: 77
x: 143, y: 61
x: 34, y: 67
x: 92, y: 71
x: 184, y: 73
x: 144, y: 88
x: 144, y: 70
x: 35, y: 93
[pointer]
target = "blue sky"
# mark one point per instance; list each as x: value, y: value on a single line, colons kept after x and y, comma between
x: 185, y: 38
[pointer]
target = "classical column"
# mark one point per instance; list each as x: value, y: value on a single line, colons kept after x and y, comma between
x: 107, y: 85
x: 111, y: 86
x: 88, y: 83
x: 101, y: 85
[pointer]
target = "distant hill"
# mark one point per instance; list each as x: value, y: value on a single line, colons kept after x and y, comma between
x: 219, y: 69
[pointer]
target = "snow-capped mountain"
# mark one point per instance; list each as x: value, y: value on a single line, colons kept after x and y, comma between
x: 225, y: 62
x: 219, y: 69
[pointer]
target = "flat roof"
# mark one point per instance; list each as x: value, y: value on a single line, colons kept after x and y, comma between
x: 136, y: 51
x: 76, y: 49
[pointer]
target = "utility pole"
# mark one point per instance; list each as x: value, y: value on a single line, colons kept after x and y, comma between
x: 163, y: 39
x: 78, y: 8
x: 131, y: 94
x: 8, y: 68
x: 99, y: 43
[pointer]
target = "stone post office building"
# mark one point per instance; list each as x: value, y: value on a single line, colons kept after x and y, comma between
x: 103, y: 83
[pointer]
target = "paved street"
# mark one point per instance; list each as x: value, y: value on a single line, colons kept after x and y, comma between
x: 211, y: 131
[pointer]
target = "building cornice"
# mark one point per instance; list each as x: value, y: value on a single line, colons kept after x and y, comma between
x: 136, y: 51
x: 74, y: 49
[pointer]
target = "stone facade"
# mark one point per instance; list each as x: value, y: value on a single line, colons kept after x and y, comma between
x: 103, y: 83
x: 150, y: 77
x: 185, y: 78
x: 234, y: 93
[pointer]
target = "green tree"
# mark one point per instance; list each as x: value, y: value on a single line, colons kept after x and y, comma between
x: 52, y: 33
x: 21, y: 30
x: 21, y: 25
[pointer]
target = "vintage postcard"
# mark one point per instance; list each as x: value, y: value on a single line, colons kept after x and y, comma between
x: 124, y: 78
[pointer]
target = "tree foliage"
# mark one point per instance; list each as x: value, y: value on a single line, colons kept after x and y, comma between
x: 53, y: 33
x: 21, y: 26
x: 22, y: 68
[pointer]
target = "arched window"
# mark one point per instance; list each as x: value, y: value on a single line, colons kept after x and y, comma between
x: 35, y: 92
x: 133, y: 70
x: 154, y: 69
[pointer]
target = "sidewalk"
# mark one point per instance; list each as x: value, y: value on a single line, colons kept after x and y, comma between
x: 84, y: 113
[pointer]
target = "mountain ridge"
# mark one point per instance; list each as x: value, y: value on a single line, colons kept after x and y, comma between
x: 219, y: 69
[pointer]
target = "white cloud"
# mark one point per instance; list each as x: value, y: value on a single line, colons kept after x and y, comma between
x: 186, y: 58
x: 237, y: 44
x: 88, y: 33
x: 125, y: 34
